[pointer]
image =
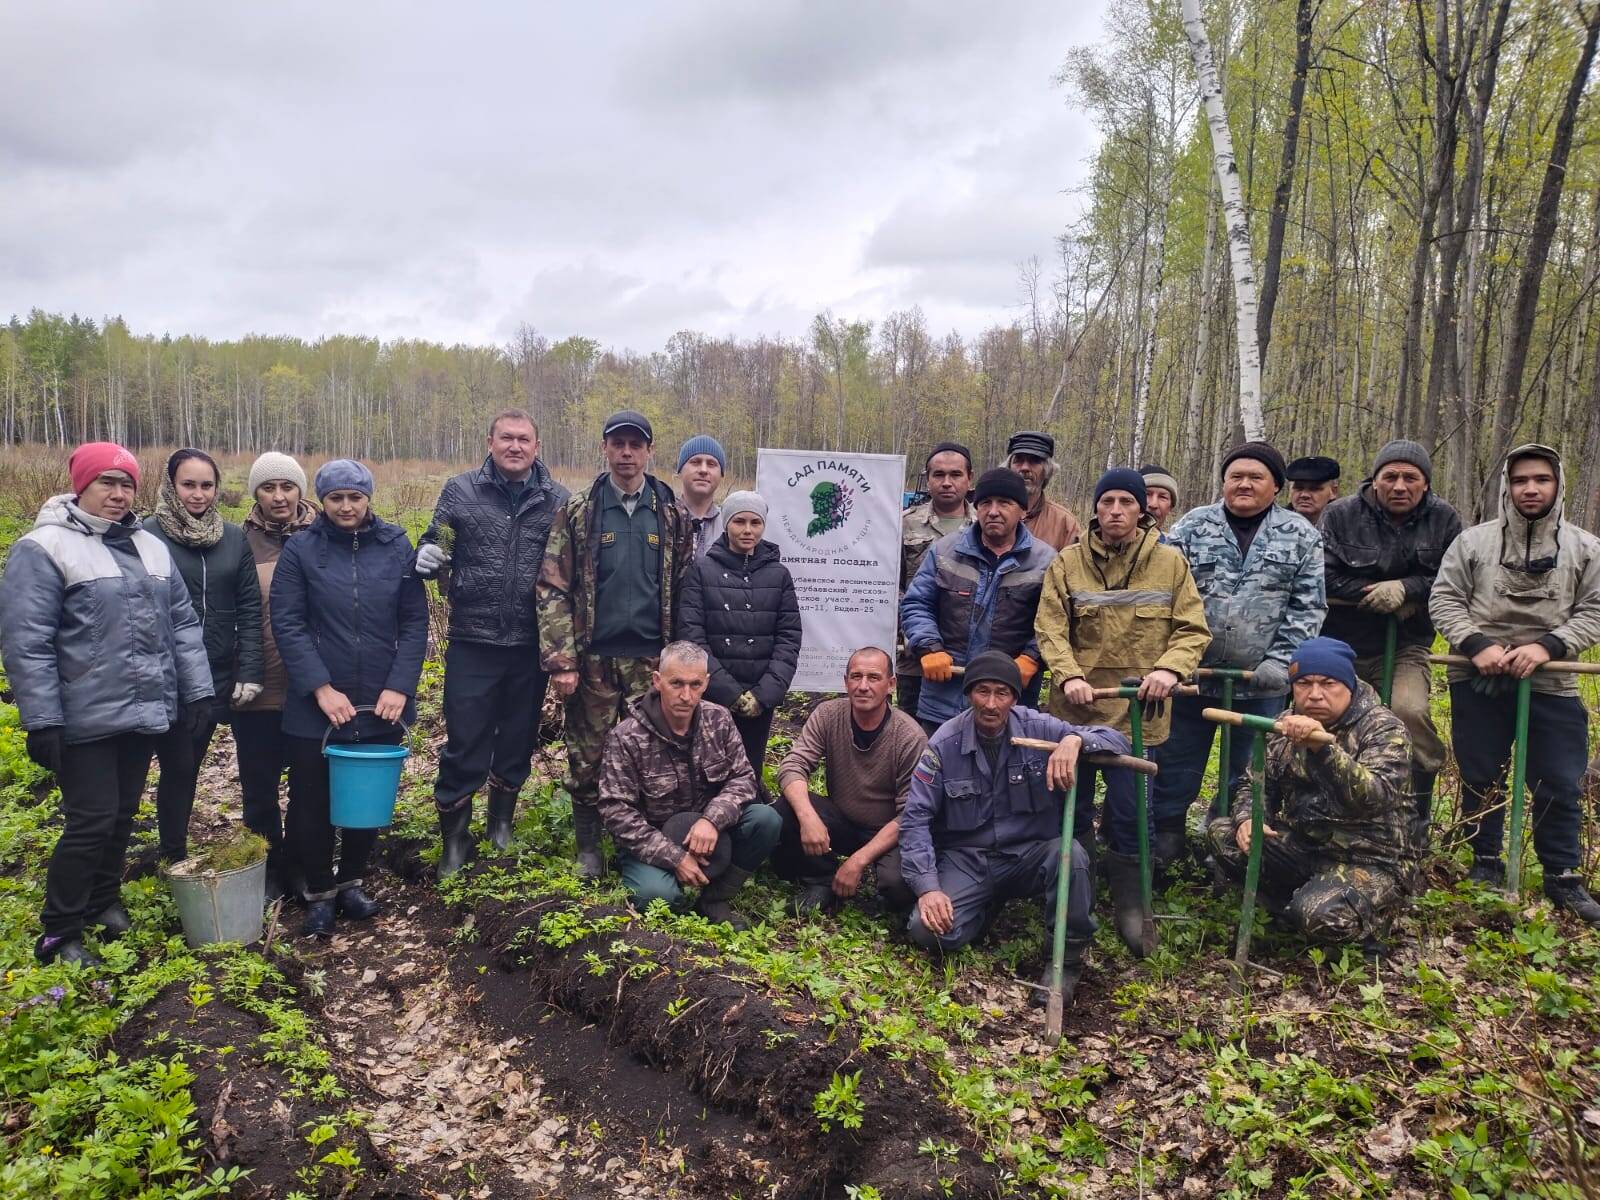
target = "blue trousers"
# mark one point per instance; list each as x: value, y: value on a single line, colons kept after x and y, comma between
x: 1120, y: 812
x: 1182, y: 757
x: 978, y: 881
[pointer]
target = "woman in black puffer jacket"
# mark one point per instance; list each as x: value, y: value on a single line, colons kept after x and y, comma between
x: 739, y: 603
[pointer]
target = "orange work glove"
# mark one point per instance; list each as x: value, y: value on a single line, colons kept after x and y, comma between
x: 1028, y: 667
x: 937, y: 668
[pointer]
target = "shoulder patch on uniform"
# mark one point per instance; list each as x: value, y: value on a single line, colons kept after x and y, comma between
x: 655, y: 539
x: 607, y: 538
x: 927, y: 766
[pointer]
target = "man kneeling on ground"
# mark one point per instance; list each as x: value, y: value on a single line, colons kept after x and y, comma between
x: 982, y: 824
x: 1336, y: 854
x: 678, y: 796
x: 868, y: 751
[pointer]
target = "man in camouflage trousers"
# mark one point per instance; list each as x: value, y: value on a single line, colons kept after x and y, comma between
x: 607, y: 596
x: 678, y: 794
x: 1336, y: 858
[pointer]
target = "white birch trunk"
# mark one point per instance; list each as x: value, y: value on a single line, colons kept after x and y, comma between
x: 1237, y: 222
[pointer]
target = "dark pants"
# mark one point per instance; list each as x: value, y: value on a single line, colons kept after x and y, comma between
x: 978, y: 880
x: 754, y: 733
x: 1183, y: 756
x: 180, y: 754
x: 492, y: 698
x: 753, y: 839
x: 1119, y: 819
x: 1482, y: 729
x: 907, y: 691
x: 308, y: 830
x: 101, y: 783
x: 845, y: 836
x: 263, y: 751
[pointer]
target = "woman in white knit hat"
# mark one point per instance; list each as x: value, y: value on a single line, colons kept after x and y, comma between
x: 278, y: 484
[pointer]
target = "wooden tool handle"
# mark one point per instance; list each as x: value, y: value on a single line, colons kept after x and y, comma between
x: 1183, y: 689
x: 1100, y: 758
x: 1224, y: 673
x: 1224, y: 716
x: 1557, y: 666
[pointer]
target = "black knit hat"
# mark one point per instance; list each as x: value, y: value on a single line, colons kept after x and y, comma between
x: 992, y: 667
x: 1263, y: 452
x: 1123, y: 479
x: 1004, y: 483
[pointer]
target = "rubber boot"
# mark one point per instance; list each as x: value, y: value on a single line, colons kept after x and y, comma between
x: 319, y: 918
x: 816, y: 898
x: 586, y: 829
x: 1127, y: 896
x: 1071, y: 972
x: 713, y: 902
x: 354, y: 903
x: 1167, y: 846
x: 453, y: 826
x: 502, y: 812
x: 1491, y: 872
x: 64, y: 949
x: 1422, y: 813
x: 1566, y: 891
x: 114, y: 921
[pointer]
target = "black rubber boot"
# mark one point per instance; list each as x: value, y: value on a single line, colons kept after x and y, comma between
x: 816, y: 898
x: 1566, y: 891
x: 114, y: 921
x: 502, y: 814
x: 1422, y: 813
x: 1167, y: 845
x: 319, y: 919
x: 1071, y: 973
x: 64, y: 949
x: 453, y: 829
x: 586, y: 828
x: 1127, y: 896
x: 354, y: 903
x: 713, y: 902
x: 1490, y: 872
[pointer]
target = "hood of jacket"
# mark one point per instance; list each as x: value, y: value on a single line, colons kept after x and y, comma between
x: 1525, y: 545
x: 648, y: 709
x: 764, y: 553
x: 63, y: 512
x: 1145, y: 536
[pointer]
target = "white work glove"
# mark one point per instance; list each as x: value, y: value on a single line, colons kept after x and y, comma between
x: 1270, y: 676
x: 1385, y: 597
x: 430, y: 559
x: 244, y: 693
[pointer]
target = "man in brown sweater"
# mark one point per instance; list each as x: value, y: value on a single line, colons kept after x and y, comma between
x: 867, y: 750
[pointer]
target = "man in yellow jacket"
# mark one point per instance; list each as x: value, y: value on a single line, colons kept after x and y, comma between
x: 1119, y: 603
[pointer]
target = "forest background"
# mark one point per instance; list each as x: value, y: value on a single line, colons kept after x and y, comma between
x: 1423, y: 184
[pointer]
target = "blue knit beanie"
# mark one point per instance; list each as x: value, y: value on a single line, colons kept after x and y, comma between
x: 343, y: 474
x: 1122, y: 479
x: 1325, y: 656
x: 702, y: 443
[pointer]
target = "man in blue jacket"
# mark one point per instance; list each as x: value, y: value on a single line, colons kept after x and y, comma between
x: 1259, y: 571
x: 976, y: 590
x: 485, y: 546
x: 982, y: 824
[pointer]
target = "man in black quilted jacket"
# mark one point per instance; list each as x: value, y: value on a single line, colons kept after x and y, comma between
x: 485, y: 546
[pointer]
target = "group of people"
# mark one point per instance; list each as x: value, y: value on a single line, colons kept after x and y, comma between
x: 670, y: 629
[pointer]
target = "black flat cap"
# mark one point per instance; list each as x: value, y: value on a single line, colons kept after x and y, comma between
x: 1031, y: 442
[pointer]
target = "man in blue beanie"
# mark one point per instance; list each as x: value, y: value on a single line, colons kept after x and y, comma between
x: 1336, y: 856
x: 702, y: 463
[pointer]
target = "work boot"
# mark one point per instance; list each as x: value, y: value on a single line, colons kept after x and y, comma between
x: 319, y: 919
x: 1167, y: 846
x: 354, y: 903
x: 586, y: 829
x: 1127, y: 896
x: 277, y: 888
x: 1422, y: 813
x: 115, y: 920
x: 817, y: 898
x: 713, y: 902
x: 1490, y: 872
x: 1071, y: 972
x: 453, y: 829
x: 64, y: 949
x: 502, y: 812
x: 1567, y: 891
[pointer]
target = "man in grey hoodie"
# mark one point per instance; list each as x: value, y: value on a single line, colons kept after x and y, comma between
x: 1514, y: 593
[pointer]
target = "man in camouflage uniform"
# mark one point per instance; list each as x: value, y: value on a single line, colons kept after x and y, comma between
x: 1336, y: 858
x: 607, y: 595
x: 675, y: 782
x: 948, y: 472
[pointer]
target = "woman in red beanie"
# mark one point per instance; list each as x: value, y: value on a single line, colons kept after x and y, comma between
x: 104, y: 652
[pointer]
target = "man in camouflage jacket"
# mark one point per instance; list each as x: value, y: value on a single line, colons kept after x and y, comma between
x: 678, y: 754
x: 607, y: 597
x: 1336, y: 858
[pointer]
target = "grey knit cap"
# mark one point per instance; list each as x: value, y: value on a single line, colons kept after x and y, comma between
x: 1401, y: 450
x: 343, y: 474
x: 742, y: 502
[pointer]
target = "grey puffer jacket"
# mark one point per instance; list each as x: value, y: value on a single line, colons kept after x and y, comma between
x: 97, y: 631
x: 1512, y: 581
x: 498, y: 550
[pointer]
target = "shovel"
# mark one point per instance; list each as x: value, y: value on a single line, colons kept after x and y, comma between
x: 1229, y: 676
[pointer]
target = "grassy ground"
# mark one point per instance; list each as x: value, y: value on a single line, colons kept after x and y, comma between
x: 443, y: 1050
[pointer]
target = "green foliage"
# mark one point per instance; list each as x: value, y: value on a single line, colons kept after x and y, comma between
x: 840, y: 1103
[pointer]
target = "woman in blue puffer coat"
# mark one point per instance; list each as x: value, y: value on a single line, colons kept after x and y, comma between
x: 739, y: 603
x: 350, y: 620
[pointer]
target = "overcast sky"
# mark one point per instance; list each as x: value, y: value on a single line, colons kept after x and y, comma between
x: 620, y: 170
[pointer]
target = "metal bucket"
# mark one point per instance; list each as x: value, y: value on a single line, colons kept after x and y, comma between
x: 222, y: 906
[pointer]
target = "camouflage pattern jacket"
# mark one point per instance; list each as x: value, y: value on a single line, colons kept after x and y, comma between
x: 565, y: 590
x: 1347, y: 803
x: 647, y: 774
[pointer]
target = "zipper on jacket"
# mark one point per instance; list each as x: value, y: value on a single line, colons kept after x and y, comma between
x: 355, y: 591
x: 205, y: 591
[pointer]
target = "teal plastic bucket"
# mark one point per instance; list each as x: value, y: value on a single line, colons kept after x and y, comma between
x: 363, y: 781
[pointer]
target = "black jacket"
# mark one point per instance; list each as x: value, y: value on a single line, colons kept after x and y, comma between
x: 497, y: 553
x: 226, y: 594
x: 744, y: 611
x: 1360, y: 545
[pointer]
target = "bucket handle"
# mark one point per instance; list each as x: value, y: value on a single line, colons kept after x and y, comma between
x: 405, y: 730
